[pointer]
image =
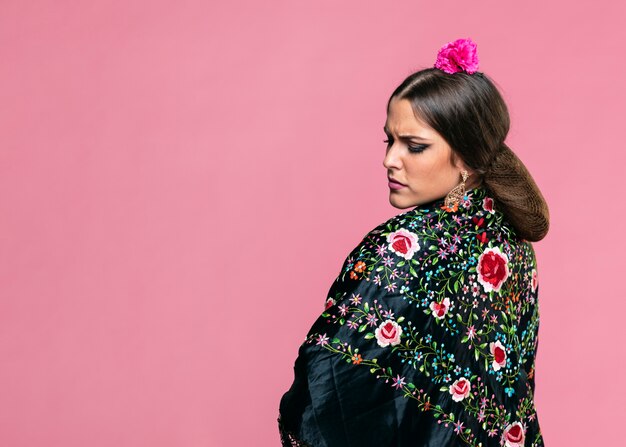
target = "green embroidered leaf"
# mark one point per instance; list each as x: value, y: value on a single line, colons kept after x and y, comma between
x: 380, y: 268
x: 400, y: 319
x: 342, y: 321
x: 432, y: 247
x: 456, y: 286
x: 369, y: 335
x: 443, y: 388
x: 436, y: 260
x: 412, y: 271
x: 401, y: 263
x: 366, y: 307
x: 464, y: 339
x: 336, y: 341
x: 476, y: 353
x: 362, y: 327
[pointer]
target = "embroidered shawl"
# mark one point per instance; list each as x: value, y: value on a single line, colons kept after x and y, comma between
x: 428, y: 337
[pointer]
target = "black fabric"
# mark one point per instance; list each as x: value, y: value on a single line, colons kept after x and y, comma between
x: 428, y: 337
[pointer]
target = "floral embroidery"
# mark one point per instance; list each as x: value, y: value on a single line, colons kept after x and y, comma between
x: 499, y: 354
x: 403, y: 243
x: 514, y: 435
x: 436, y: 301
x: 493, y: 269
x: 460, y: 389
x: 388, y: 333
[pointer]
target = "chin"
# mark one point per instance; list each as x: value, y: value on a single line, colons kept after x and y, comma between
x: 399, y: 203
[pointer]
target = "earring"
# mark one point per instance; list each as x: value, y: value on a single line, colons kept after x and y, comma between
x: 454, y: 197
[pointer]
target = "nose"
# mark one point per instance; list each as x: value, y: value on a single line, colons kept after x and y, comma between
x: 392, y: 157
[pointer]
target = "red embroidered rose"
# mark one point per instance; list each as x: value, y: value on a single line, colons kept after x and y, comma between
x: 514, y: 435
x: 403, y: 243
x: 499, y: 355
x: 460, y: 389
x: 388, y: 333
x: 488, y: 204
x: 330, y: 302
x: 493, y: 269
x: 440, y: 309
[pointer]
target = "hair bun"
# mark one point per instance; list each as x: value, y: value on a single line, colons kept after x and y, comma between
x: 518, y: 195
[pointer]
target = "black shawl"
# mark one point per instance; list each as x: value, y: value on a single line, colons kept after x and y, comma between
x: 428, y: 337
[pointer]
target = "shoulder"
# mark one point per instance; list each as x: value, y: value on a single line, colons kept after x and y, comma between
x: 432, y: 237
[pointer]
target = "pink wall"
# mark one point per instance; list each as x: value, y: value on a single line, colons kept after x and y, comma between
x: 181, y: 180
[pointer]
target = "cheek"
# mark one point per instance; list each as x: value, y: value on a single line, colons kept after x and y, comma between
x: 424, y: 165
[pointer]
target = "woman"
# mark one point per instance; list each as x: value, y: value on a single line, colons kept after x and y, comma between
x: 429, y: 333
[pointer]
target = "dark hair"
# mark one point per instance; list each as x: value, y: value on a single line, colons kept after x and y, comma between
x: 468, y: 111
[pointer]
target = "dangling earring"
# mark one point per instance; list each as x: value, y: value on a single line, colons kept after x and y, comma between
x: 454, y: 197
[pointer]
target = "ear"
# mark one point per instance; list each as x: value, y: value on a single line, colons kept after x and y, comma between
x: 474, y: 178
x: 458, y: 162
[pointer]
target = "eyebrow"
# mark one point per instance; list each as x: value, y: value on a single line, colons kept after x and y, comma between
x: 405, y: 136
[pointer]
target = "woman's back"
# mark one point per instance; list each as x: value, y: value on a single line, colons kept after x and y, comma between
x: 429, y: 337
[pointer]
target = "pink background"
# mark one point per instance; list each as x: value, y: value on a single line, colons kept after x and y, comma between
x: 180, y: 182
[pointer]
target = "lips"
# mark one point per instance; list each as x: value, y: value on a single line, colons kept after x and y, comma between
x: 395, y: 181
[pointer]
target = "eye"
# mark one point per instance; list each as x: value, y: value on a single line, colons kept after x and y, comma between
x: 414, y: 149
x: 418, y: 148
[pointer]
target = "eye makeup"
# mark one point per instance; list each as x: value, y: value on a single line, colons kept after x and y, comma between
x: 414, y: 149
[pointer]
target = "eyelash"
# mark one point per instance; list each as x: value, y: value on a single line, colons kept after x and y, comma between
x: 415, y: 149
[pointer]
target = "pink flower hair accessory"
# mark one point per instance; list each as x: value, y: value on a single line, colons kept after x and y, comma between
x: 459, y: 55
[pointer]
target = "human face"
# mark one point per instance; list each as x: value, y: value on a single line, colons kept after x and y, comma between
x: 418, y: 157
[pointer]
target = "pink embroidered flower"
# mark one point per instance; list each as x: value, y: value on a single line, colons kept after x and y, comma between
x: 403, y: 243
x: 514, y: 435
x: 388, y: 333
x: 322, y: 339
x: 440, y: 309
x: 533, y: 283
x: 398, y: 382
x: 488, y: 204
x: 493, y: 269
x: 460, y: 389
x: 459, y: 55
x: 471, y: 332
x: 499, y: 355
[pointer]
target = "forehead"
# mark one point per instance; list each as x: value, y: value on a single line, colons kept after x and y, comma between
x: 401, y: 119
